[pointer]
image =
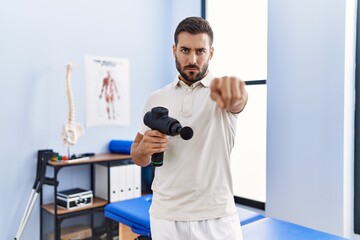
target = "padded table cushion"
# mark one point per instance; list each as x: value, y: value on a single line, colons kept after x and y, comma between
x: 274, y: 229
x: 133, y: 213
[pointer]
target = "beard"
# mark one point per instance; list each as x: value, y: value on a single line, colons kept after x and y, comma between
x: 193, y: 76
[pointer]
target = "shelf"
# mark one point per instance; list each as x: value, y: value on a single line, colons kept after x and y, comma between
x: 98, y: 158
x: 97, y: 202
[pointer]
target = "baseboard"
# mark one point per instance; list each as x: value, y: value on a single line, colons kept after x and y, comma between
x: 250, y: 203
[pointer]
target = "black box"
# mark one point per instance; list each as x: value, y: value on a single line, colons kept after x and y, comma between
x: 74, y: 198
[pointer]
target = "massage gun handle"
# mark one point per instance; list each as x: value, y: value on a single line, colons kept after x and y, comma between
x: 157, y: 159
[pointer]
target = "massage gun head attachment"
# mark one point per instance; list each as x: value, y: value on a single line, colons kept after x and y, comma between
x: 158, y: 119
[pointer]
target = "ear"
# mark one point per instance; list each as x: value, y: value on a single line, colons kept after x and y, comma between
x: 174, y: 50
x: 211, y: 52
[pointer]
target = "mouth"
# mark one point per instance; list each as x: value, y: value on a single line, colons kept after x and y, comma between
x: 191, y: 69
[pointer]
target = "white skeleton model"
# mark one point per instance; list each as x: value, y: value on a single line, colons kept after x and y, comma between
x: 71, y: 131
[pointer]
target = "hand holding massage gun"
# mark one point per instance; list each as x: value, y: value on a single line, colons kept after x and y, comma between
x: 158, y: 119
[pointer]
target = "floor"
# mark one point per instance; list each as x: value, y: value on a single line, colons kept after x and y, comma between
x: 252, y: 209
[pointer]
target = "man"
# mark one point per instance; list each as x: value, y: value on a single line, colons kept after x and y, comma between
x: 192, y: 191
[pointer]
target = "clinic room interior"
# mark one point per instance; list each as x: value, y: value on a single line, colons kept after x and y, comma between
x: 295, y: 158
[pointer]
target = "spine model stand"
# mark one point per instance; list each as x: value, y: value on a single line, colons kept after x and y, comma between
x: 71, y: 130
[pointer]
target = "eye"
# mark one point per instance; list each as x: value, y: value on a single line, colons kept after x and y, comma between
x: 201, y: 51
x: 184, y: 50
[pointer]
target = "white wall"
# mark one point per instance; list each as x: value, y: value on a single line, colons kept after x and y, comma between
x: 309, y: 143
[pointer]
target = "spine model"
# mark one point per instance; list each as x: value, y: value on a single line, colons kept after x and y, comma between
x: 71, y: 131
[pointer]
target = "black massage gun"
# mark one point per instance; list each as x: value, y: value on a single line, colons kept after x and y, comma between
x: 158, y: 119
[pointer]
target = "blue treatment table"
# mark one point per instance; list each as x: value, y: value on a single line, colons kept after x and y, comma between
x: 135, y: 214
x: 274, y: 229
x: 132, y: 212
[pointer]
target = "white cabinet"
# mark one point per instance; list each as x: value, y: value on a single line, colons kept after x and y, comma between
x: 124, y: 180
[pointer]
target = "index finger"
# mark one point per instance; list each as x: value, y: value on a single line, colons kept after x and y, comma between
x: 155, y: 133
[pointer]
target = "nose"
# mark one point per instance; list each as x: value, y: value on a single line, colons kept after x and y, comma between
x: 192, y: 59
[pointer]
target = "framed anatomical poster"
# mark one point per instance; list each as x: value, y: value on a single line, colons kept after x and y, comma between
x: 107, y: 88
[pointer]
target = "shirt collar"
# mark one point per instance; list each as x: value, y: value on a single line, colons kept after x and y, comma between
x: 206, y: 81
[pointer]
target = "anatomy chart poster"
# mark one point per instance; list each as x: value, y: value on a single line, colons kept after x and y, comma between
x: 107, y: 88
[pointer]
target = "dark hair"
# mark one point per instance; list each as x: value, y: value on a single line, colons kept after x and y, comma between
x: 194, y: 25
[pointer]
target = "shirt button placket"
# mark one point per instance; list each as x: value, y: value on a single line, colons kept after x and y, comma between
x: 187, y: 102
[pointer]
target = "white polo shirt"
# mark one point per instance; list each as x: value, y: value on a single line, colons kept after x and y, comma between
x: 195, y: 181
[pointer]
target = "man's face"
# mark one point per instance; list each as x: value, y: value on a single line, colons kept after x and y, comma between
x: 192, y: 55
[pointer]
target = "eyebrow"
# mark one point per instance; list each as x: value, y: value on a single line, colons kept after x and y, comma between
x: 186, y: 48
